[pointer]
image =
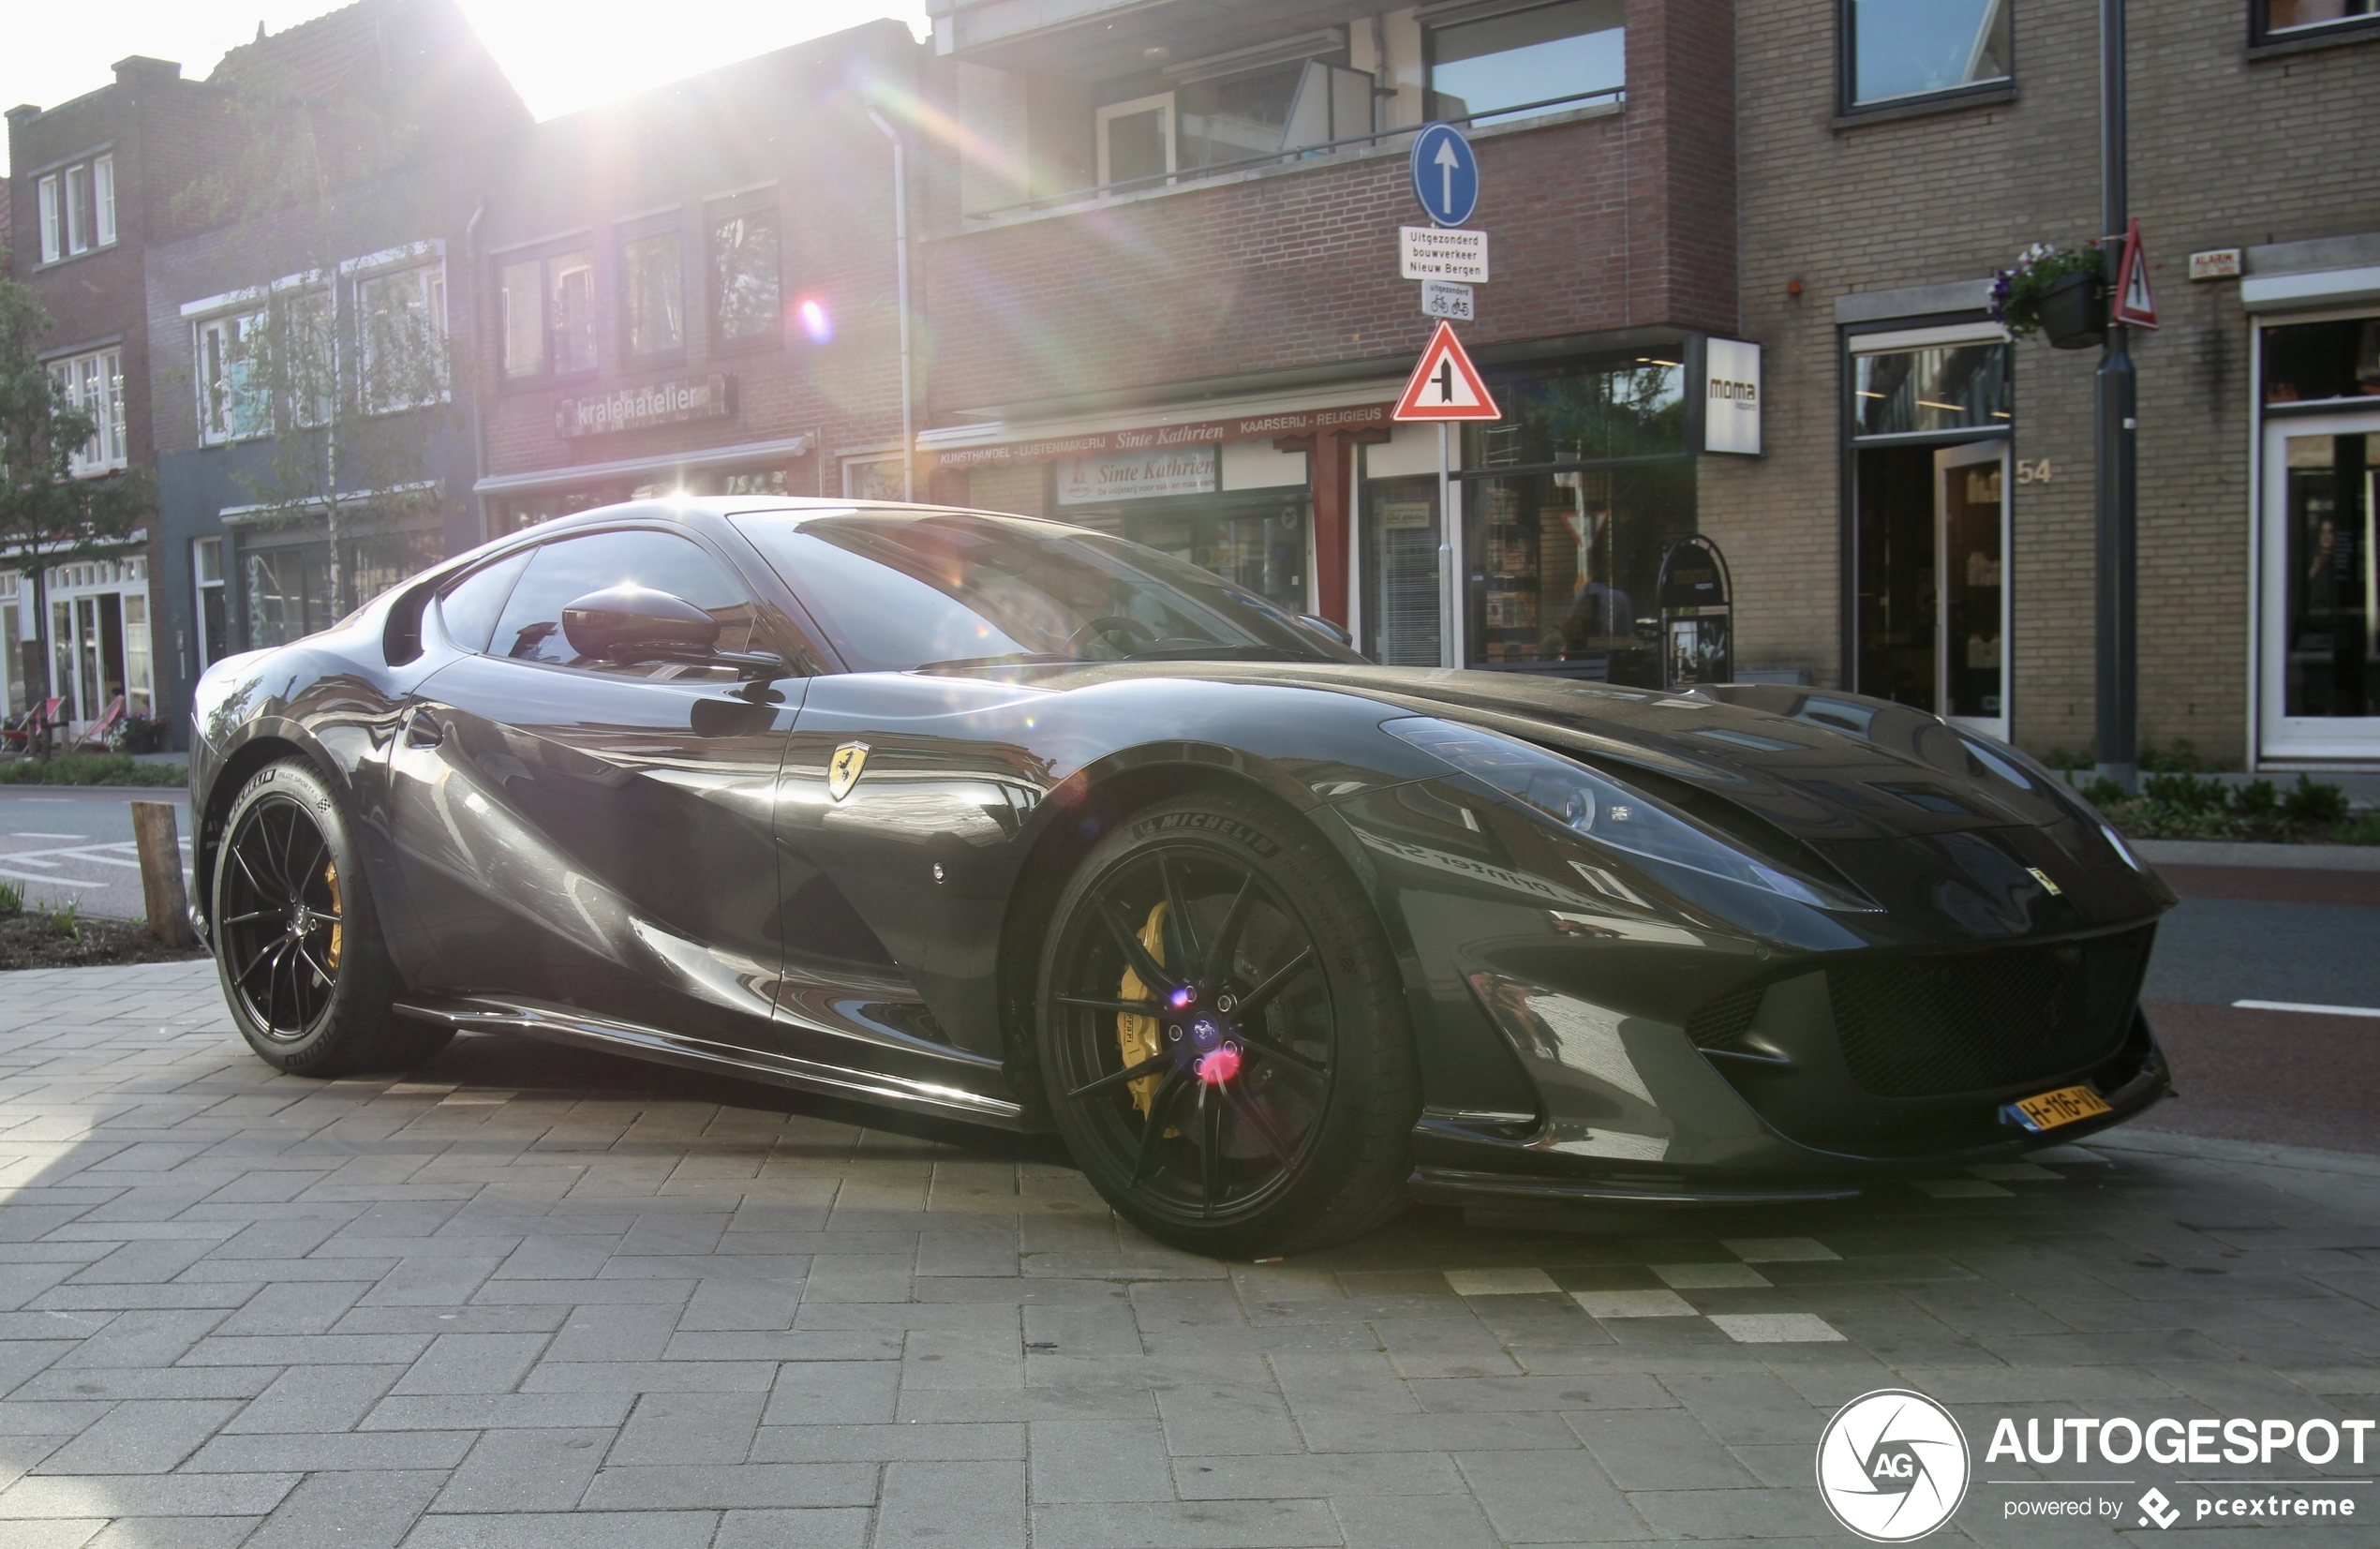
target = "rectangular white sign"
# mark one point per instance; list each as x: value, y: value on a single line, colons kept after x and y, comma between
x: 1731, y: 397
x: 1177, y: 470
x: 1437, y: 252
x: 1443, y: 298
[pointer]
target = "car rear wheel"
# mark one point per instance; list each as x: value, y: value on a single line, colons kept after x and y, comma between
x: 297, y: 941
x: 1222, y: 1033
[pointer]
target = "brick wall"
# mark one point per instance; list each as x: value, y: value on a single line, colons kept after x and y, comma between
x: 781, y: 119
x: 2226, y: 152
x: 1595, y: 223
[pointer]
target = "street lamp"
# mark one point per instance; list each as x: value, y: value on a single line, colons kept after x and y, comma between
x: 2116, y: 583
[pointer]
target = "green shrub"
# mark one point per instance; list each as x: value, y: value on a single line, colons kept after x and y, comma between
x: 2187, y: 792
x: 11, y: 899
x: 2313, y: 805
x: 2181, y: 758
x: 65, y: 920
x: 2104, y: 794
x: 2256, y: 800
x: 91, y: 769
x: 2361, y: 830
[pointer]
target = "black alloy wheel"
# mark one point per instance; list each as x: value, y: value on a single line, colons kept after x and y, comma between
x: 1215, y: 1035
x: 283, y: 936
x: 296, y: 936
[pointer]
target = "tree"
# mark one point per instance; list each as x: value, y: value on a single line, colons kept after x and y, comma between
x: 50, y: 515
x: 338, y: 380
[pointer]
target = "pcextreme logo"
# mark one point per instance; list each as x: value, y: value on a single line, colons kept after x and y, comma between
x: 1891, y: 1466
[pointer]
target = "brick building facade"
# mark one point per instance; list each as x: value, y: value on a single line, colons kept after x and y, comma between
x: 1870, y: 231
x: 1200, y: 353
x: 693, y: 290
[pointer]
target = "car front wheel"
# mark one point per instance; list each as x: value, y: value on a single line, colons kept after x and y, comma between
x: 1222, y: 1034
x: 297, y: 939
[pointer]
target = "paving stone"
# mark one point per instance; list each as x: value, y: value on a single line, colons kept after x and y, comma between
x: 812, y: 1529
x: 1508, y: 1282
x: 567, y: 1530
x: 1778, y: 1250
x: 140, y: 1436
x: 973, y: 1503
x: 353, y: 1510
x: 1371, y: 1521
x: 1192, y: 1525
x: 689, y: 1428
x: 1709, y: 1276
x: 526, y: 1470
x: 1085, y: 1460
x: 665, y: 1487
x: 1633, y: 1304
x: 1776, y: 1328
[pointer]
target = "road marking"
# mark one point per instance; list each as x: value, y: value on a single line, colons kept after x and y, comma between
x: 2300, y: 1006
x: 28, y: 833
x: 54, y: 882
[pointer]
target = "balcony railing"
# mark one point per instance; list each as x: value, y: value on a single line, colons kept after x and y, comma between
x: 1285, y: 155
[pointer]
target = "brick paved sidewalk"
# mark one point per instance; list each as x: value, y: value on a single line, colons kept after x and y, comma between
x: 532, y: 1297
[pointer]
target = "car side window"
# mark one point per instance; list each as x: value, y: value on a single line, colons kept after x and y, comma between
x: 469, y: 608
x: 561, y: 572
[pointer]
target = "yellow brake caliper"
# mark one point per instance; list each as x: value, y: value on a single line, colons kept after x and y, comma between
x: 336, y: 908
x: 1138, y: 1036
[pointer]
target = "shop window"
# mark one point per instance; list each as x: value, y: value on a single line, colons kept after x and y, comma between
x: 1136, y: 139
x: 206, y: 580
x: 1567, y: 565
x: 2277, y: 20
x: 1953, y: 387
x: 1259, y: 543
x: 548, y: 306
x: 745, y: 277
x: 1519, y: 63
x: 76, y: 207
x: 1399, y: 601
x: 401, y: 331
x: 2322, y: 361
x: 285, y: 593
x: 653, y: 296
x: 380, y: 560
x: 1634, y: 408
x: 1894, y: 49
x: 94, y: 383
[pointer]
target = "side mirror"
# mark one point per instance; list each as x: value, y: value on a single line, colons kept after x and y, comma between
x: 629, y: 623
x: 1324, y: 626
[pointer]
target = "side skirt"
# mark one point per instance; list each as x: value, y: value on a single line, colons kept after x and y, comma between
x: 569, y: 1026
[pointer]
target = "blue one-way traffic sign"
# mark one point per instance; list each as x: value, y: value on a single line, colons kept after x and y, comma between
x: 1446, y: 175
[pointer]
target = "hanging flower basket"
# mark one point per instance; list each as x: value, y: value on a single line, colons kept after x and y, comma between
x: 2061, y: 293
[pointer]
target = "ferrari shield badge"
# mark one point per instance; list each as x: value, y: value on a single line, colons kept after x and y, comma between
x: 842, y: 770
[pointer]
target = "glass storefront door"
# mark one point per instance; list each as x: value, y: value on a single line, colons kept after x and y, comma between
x: 1970, y: 501
x: 1403, y: 590
x: 2320, y: 682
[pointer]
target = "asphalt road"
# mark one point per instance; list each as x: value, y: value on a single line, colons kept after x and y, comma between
x: 65, y: 845
x: 2289, y: 1078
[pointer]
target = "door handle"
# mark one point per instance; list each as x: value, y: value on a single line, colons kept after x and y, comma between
x: 422, y: 730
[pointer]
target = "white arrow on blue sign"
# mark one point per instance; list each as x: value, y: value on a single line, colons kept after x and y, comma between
x: 1446, y: 175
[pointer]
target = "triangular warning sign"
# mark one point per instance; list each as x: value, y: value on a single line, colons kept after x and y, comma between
x: 1446, y: 385
x: 2135, y: 304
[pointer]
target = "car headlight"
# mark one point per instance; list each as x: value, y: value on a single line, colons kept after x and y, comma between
x: 1579, y: 799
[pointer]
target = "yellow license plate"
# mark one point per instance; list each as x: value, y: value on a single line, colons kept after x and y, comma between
x: 2062, y: 1106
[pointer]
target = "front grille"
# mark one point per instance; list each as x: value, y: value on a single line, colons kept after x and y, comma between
x: 1930, y: 1025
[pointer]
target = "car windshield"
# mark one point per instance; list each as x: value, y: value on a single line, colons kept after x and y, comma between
x: 948, y: 590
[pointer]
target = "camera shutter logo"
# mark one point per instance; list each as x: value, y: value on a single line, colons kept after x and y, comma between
x: 1891, y: 1466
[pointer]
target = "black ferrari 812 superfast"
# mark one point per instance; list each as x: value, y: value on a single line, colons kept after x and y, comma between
x: 1011, y: 821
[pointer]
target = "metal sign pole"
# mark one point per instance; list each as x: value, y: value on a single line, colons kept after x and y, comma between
x: 2118, y: 684
x: 1450, y: 590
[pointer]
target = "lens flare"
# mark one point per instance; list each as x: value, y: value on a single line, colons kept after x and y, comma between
x: 815, y: 323
x: 1218, y: 1066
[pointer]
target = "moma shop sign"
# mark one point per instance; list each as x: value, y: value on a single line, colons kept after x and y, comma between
x: 1180, y: 471
x: 1731, y: 397
x: 711, y: 398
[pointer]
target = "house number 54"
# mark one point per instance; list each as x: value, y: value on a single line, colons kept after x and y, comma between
x: 2032, y: 473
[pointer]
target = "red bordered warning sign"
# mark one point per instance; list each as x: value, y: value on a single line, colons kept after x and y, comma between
x: 1446, y: 385
x: 2135, y: 303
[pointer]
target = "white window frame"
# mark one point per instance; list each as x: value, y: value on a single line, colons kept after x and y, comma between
x: 1161, y: 102
x: 200, y: 585
x: 219, y: 417
x: 78, y: 202
x: 429, y: 281
x: 52, y: 234
x: 103, y: 201
x: 94, y: 383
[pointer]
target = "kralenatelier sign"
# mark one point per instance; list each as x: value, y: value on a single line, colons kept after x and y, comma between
x: 711, y: 398
x: 1164, y: 438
